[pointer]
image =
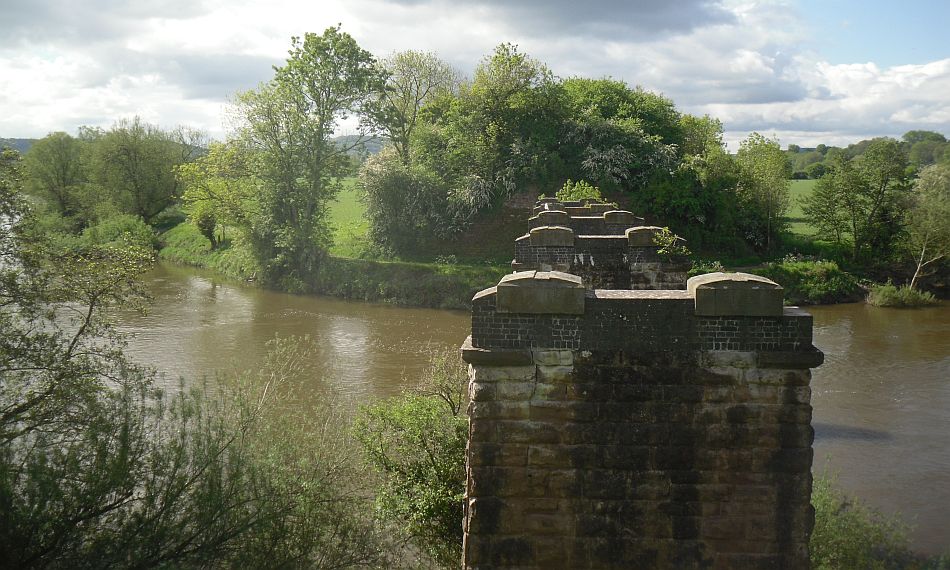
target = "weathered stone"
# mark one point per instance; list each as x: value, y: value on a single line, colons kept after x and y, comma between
x: 599, y: 208
x: 540, y: 292
x: 736, y: 294
x: 636, y: 429
x: 621, y: 217
x: 553, y: 218
x: 641, y: 236
x: 552, y: 236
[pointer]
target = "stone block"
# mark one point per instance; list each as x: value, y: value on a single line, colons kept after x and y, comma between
x: 552, y: 236
x: 540, y: 292
x: 553, y: 218
x: 641, y: 236
x: 735, y: 294
x: 598, y: 208
x: 621, y: 217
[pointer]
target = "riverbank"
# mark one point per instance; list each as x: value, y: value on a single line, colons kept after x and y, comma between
x: 435, y: 285
x: 452, y: 285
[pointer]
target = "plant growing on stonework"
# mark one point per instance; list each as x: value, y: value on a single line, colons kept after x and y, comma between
x: 671, y: 245
x: 416, y: 442
x: 573, y: 191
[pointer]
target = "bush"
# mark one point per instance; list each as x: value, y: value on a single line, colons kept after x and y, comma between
x: 849, y: 534
x: 812, y: 282
x: 702, y: 267
x: 121, y: 229
x: 407, y: 207
x: 416, y: 442
x: 580, y: 190
x: 888, y: 295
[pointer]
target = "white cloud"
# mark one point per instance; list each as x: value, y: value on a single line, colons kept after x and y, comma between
x: 178, y: 61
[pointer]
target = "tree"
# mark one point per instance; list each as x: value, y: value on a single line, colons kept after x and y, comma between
x: 699, y: 134
x: 288, y: 122
x: 413, y: 79
x: 862, y: 197
x: 134, y: 164
x: 928, y: 220
x: 55, y: 171
x: 220, y: 189
x: 764, y: 172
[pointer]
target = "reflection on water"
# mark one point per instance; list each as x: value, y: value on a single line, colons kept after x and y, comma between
x: 199, y: 325
x: 882, y: 411
x: 882, y: 398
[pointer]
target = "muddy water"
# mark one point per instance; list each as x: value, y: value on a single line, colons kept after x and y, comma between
x: 882, y: 411
x: 882, y: 398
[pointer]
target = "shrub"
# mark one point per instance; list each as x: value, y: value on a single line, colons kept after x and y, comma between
x: 573, y: 191
x: 849, y: 534
x: 416, y: 442
x: 701, y: 267
x: 121, y: 229
x: 889, y: 295
x: 670, y: 244
x: 812, y: 282
x: 407, y: 207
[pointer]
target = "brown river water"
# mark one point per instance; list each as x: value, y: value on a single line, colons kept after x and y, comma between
x: 881, y: 400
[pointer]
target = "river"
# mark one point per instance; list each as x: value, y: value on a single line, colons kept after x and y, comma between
x: 881, y: 400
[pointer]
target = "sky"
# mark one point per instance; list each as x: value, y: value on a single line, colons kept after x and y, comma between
x: 804, y: 71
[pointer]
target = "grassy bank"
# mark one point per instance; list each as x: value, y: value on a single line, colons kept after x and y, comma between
x: 447, y: 286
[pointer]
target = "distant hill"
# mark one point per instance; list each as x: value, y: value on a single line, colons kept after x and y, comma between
x: 373, y: 144
x: 21, y: 145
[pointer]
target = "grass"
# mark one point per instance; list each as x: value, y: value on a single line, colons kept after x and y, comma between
x: 350, y: 228
x: 800, y: 189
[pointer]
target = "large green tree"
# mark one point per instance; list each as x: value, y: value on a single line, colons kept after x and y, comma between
x: 413, y: 79
x: 863, y: 198
x: 133, y: 164
x: 928, y: 220
x: 288, y: 123
x: 55, y: 171
x: 764, y: 171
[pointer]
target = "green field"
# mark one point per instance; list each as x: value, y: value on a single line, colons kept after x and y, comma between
x: 346, y: 218
x: 799, y: 189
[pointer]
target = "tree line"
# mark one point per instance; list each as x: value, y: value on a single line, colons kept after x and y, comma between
x: 922, y: 148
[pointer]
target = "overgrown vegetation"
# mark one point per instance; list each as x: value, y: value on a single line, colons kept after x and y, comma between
x: 416, y: 442
x: 808, y: 282
x: 100, y: 467
x: 889, y: 295
x: 849, y: 534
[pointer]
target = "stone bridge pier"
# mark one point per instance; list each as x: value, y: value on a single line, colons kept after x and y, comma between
x: 638, y: 428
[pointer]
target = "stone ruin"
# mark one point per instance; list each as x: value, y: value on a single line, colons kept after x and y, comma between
x: 607, y: 247
x: 636, y: 427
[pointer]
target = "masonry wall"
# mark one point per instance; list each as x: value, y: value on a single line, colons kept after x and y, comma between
x: 637, y: 434
x: 604, y: 262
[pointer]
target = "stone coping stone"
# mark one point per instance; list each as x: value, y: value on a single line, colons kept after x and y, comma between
x: 553, y: 218
x: 621, y: 217
x: 577, y: 211
x: 599, y: 208
x: 540, y: 292
x: 606, y: 237
x: 641, y: 236
x: 736, y: 294
x: 677, y: 294
x: 522, y: 238
x: 552, y: 236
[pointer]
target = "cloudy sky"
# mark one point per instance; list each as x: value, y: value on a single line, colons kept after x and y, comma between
x: 807, y: 71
